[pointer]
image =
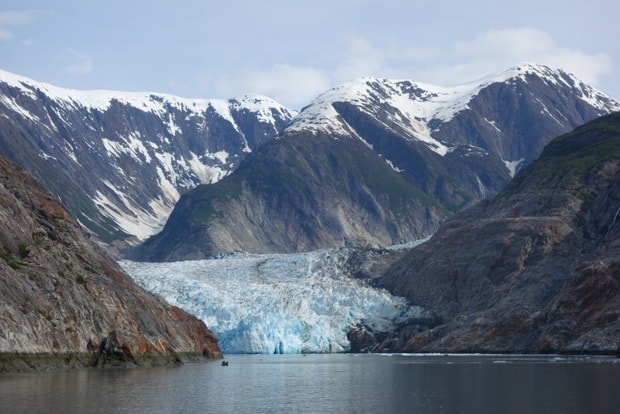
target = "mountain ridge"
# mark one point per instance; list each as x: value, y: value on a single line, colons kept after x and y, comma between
x: 120, y: 161
x: 462, y: 162
x: 249, y: 216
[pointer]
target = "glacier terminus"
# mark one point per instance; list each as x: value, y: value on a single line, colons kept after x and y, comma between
x: 275, y: 303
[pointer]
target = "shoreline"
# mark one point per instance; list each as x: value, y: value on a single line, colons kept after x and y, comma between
x: 14, y: 362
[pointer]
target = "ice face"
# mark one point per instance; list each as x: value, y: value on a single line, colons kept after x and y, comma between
x: 274, y: 303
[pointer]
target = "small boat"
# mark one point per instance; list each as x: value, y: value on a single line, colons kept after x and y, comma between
x: 224, y: 363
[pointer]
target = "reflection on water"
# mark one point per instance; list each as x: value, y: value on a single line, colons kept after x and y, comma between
x: 328, y: 384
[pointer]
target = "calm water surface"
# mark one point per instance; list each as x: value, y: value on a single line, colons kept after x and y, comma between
x: 329, y: 384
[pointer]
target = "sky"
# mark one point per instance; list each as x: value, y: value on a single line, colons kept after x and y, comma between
x: 292, y: 51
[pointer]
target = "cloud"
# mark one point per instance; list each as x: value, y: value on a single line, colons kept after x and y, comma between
x: 449, y: 62
x: 463, y: 60
x: 9, y: 19
x: 507, y: 47
x: 293, y: 86
x: 388, y: 57
x: 17, y: 18
x: 81, y: 65
x: 5, y: 34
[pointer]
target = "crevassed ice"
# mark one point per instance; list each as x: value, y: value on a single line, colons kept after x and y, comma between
x: 274, y: 303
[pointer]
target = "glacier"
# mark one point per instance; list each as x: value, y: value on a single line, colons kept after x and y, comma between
x: 275, y: 303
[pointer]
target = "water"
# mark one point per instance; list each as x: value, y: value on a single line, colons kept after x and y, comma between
x: 335, y: 383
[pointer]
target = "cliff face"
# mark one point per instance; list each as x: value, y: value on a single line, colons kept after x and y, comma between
x: 60, y: 294
x: 536, y: 269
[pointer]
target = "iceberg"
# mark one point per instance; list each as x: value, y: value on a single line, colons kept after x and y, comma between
x: 275, y: 303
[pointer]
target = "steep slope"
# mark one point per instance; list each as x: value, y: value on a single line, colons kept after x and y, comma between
x: 119, y: 160
x: 297, y: 194
x: 60, y: 294
x: 436, y: 149
x: 534, y: 270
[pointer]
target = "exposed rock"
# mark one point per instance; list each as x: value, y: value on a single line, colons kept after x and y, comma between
x: 534, y: 270
x: 362, y: 340
x: 59, y: 292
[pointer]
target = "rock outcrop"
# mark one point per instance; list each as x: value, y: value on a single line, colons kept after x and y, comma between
x: 537, y: 269
x: 60, y: 294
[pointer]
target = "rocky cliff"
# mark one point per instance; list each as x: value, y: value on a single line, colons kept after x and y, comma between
x: 60, y: 294
x: 536, y: 269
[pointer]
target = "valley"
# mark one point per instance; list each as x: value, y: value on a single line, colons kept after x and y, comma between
x: 285, y: 231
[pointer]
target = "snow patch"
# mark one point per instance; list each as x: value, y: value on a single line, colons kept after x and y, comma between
x: 10, y: 102
x: 205, y: 173
x: 140, y: 226
x: 172, y: 127
x: 513, y: 166
x: 392, y: 166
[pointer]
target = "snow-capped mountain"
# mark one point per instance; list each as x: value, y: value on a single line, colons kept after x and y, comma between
x: 430, y: 114
x: 121, y: 160
x: 377, y: 162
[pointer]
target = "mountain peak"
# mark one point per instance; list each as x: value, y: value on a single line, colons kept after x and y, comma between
x: 410, y: 103
x: 263, y: 106
x: 415, y: 105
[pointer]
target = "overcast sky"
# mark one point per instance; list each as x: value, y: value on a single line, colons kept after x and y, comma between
x: 292, y: 50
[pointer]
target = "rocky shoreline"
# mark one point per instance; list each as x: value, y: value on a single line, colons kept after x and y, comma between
x: 41, y: 362
x: 65, y: 303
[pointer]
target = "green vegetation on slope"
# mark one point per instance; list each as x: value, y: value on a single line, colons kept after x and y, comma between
x: 574, y: 154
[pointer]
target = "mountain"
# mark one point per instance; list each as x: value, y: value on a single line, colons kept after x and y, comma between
x: 60, y: 294
x: 536, y: 269
x: 377, y: 162
x: 296, y: 195
x: 120, y: 161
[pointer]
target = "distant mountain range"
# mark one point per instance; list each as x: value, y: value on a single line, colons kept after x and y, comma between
x: 378, y: 162
x: 370, y: 163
